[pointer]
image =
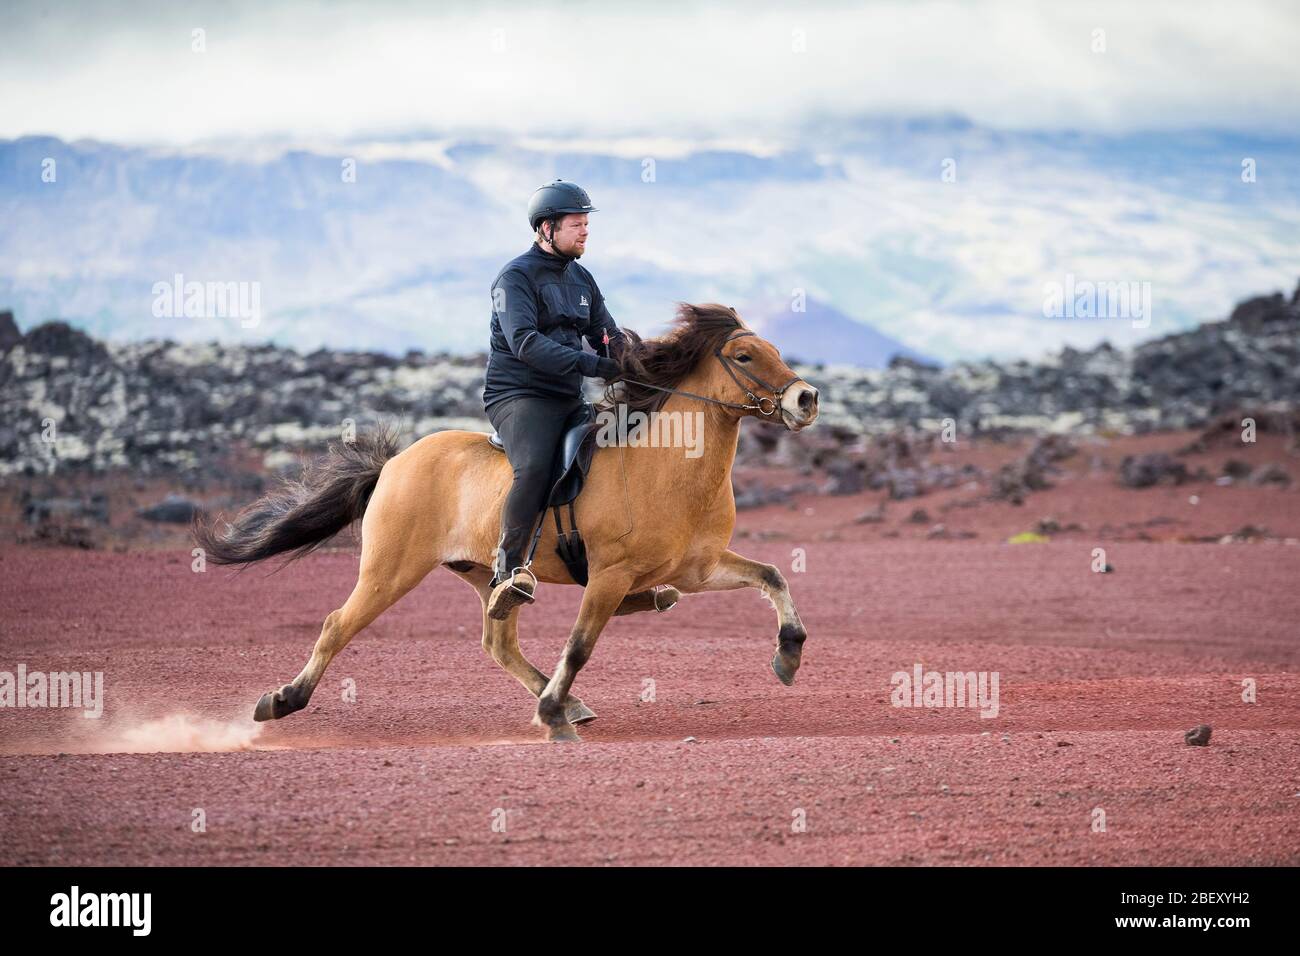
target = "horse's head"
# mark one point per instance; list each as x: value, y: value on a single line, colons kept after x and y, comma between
x: 753, y: 367
x: 711, y: 353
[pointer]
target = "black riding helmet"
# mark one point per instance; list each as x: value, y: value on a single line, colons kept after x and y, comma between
x: 554, y: 200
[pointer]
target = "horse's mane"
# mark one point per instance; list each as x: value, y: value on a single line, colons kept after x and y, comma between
x: 664, y: 361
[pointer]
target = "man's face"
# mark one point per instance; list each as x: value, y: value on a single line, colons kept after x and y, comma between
x: 570, y: 234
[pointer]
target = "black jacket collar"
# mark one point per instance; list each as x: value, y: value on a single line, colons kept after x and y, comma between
x: 550, y: 261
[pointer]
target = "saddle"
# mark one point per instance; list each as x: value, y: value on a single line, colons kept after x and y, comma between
x: 568, y: 473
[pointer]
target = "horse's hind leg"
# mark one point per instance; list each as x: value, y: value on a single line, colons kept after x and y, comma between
x: 378, y: 588
x: 734, y: 571
x: 501, y: 641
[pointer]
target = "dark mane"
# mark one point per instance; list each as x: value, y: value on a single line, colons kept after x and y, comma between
x: 664, y: 361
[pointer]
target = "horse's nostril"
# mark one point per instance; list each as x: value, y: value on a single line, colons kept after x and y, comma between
x: 807, y: 399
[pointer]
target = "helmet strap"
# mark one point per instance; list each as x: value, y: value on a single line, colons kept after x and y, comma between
x: 555, y: 250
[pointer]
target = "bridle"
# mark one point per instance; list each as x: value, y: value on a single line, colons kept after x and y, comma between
x: 732, y: 366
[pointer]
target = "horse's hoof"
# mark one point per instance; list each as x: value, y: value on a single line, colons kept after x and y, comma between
x: 785, y: 668
x: 576, y: 712
x: 653, y: 600
x: 564, y: 734
x: 265, y: 709
x: 275, y: 704
x: 666, y: 597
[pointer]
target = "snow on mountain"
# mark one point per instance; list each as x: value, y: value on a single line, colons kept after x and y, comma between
x: 937, y: 235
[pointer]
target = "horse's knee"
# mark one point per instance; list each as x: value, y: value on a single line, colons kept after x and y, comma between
x: 773, y: 579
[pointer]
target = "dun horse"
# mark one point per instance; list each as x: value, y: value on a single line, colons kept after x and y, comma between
x: 650, y: 516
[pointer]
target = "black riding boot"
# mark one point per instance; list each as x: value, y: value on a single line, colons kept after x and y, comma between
x: 512, y: 548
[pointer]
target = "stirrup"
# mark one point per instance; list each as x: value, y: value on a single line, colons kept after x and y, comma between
x: 527, y: 595
x: 506, y: 596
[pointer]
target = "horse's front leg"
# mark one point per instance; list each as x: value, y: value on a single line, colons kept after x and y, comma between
x: 734, y: 571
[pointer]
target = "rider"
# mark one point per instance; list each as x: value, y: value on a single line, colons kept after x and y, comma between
x: 542, y: 301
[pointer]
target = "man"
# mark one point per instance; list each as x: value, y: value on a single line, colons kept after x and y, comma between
x: 543, y: 303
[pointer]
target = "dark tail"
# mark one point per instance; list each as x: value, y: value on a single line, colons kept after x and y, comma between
x: 302, y: 515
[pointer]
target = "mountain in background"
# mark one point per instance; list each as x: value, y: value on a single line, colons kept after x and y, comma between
x: 857, y: 214
x: 823, y: 335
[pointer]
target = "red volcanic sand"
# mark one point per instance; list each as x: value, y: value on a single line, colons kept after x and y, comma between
x: 1100, y: 675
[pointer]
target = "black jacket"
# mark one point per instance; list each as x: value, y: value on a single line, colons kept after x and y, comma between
x: 541, y: 305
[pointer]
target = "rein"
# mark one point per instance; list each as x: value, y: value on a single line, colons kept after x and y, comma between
x: 732, y: 367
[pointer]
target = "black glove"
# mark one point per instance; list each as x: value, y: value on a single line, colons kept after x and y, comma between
x: 608, y: 369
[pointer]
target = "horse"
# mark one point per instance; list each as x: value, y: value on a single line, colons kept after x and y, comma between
x: 651, y: 517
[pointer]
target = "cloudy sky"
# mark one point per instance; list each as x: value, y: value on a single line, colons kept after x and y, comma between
x: 1108, y: 142
x: 127, y: 72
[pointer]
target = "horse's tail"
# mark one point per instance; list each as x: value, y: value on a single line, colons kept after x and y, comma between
x: 300, y: 516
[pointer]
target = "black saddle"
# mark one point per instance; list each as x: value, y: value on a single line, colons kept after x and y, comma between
x: 568, y: 473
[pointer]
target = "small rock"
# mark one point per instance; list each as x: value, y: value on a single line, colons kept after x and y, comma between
x: 173, y: 509
x: 1198, y: 736
x: 874, y: 516
x: 1270, y: 474
x: 1144, y: 471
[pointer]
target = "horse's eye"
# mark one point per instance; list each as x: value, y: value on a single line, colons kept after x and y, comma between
x: 742, y: 357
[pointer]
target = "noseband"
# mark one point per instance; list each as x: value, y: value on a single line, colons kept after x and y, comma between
x: 731, y: 366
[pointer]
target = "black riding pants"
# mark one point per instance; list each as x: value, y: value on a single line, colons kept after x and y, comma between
x: 531, y: 428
